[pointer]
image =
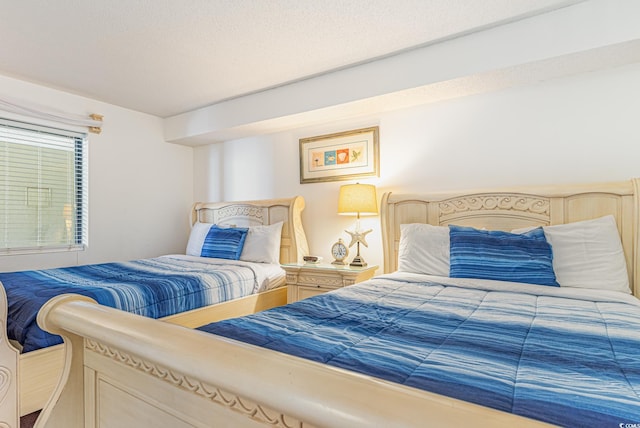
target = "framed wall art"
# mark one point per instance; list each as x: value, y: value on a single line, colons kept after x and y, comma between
x: 340, y: 156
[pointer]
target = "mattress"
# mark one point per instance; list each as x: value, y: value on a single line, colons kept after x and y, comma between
x: 563, y: 356
x: 156, y: 288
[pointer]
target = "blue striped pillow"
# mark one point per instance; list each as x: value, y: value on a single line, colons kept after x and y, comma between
x: 224, y: 242
x: 502, y: 256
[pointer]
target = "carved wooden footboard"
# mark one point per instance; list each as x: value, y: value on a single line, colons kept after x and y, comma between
x: 124, y: 370
x: 9, y: 406
x: 39, y: 370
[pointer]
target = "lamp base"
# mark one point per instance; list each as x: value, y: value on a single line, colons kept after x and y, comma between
x: 358, y: 262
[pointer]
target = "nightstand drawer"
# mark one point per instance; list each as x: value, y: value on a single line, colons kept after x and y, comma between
x: 307, y: 280
x: 304, y: 292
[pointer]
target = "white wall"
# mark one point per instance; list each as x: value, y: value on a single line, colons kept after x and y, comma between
x: 241, y: 169
x: 140, y: 187
x: 575, y: 129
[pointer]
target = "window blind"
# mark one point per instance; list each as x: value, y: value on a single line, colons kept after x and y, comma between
x: 43, y: 188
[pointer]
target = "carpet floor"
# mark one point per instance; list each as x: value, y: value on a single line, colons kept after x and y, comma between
x: 27, y: 421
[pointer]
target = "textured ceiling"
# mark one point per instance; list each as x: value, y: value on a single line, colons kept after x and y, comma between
x: 166, y: 57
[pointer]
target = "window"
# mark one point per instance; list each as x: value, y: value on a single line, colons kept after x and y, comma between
x: 43, y: 189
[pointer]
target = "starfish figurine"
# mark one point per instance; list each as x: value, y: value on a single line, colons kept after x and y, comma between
x: 359, y: 236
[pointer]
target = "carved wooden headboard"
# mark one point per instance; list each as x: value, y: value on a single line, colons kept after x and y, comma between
x: 508, y: 209
x: 293, y: 244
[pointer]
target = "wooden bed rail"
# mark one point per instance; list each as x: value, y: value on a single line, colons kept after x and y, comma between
x: 119, y: 365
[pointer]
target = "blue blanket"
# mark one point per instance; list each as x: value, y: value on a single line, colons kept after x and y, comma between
x: 568, y: 361
x: 154, y: 288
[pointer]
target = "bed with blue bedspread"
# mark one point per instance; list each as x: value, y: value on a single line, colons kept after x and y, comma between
x: 564, y: 356
x: 498, y: 309
x: 155, y: 288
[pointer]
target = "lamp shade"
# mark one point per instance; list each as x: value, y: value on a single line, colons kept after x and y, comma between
x: 358, y: 199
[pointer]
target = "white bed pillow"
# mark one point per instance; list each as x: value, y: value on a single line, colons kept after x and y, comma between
x: 588, y: 254
x: 196, y: 238
x: 263, y: 244
x: 424, y: 249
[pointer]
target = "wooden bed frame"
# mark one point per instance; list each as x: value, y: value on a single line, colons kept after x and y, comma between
x: 123, y: 370
x: 515, y: 208
x: 39, y: 370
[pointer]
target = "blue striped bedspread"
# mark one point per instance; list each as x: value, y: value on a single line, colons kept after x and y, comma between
x: 570, y: 358
x: 155, y: 288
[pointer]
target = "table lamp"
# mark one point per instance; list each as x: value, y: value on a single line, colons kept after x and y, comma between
x: 358, y: 199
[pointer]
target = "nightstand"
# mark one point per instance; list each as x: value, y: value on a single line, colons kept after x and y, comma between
x: 306, y: 280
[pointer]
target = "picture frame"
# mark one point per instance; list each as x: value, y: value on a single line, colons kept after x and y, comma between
x: 341, y: 156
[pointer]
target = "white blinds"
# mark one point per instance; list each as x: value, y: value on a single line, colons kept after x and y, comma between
x: 43, y: 188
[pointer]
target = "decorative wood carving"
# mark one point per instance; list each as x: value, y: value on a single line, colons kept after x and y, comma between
x: 242, y: 211
x: 230, y: 400
x: 319, y: 280
x: 507, y: 202
x: 5, y: 382
x: 292, y: 278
